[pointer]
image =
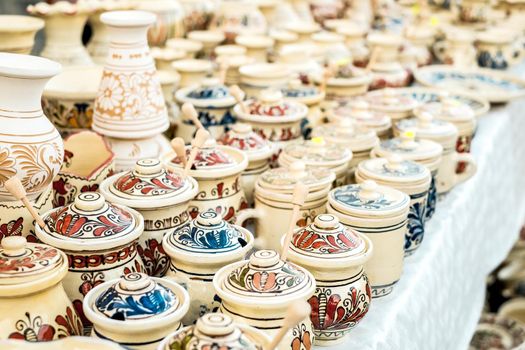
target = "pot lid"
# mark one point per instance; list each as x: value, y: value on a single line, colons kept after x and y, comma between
x: 369, y: 199
x: 136, y: 296
x: 270, y: 107
x: 408, y: 147
x: 449, y: 109
x: 90, y: 222
x: 360, y: 112
x: 243, y: 138
x: 210, y: 93
x: 388, y: 100
x: 317, y: 152
x: 148, y: 185
x: 265, y: 278
x: 307, y: 94
x: 208, y: 233
x: 326, y: 238
x: 425, y: 126
x: 356, y: 137
x: 393, y: 169
x: 284, y: 179
x: 210, y: 156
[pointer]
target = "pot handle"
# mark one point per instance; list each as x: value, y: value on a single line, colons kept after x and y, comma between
x: 246, y: 214
x: 439, y: 48
x: 470, y: 170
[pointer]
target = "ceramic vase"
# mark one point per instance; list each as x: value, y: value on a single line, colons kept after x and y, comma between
x: 30, y: 146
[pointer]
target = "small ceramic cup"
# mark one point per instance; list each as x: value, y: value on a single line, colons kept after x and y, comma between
x: 257, y: 46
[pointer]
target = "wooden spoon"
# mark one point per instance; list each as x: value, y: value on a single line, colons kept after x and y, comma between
x: 296, y: 312
x: 189, y: 112
x: 15, y: 187
x: 236, y: 92
x: 300, y: 192
x: 179, y: 147
x: 200, y: 138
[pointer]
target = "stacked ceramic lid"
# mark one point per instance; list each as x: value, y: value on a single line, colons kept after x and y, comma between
x: 388, y: 101
x: 359, y: 112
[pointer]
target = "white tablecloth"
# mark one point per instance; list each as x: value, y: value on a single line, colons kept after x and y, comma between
x: 439, y: 298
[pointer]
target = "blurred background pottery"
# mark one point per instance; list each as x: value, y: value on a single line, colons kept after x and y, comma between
x: 359, y: 114
x: 169, y: 23
x: 197, y: 13
x: 260, y: 76
x: 210, y: 39
x: 127, y: 152
x: 84, y: 343
x: 472, y: 11
x: 192, y: 71
x: 457, y: 49
x: 191, y: 47
x: 496, y: 49
x: 17, y: 33
x: 257, y: 46
x: 234, y: 17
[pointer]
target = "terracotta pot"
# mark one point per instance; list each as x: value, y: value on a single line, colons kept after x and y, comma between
x: 30, y: 146
x: 17, y: 33
x: 33, y: 302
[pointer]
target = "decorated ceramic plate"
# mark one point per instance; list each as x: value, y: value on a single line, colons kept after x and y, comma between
x: 497, y: 333
x: 423, y: 94
x: 495, y: 86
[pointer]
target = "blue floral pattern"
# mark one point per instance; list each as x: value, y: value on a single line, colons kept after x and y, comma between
x: 407, y: 168
x: 349, y: 195
x: 214, y: 92
x: 416, y: 227
x: 471, y: 80
x: 432, y: 199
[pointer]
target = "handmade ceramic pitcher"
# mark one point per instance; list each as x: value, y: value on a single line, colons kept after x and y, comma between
x: 335, y: 256
x: 197, y: 251
x: 257, y: 292
x: 136, y: 310
x: 99, y: 239
x: 162, y: 197
x: 30, y: 146
x: 33, y: 303
x: 379, y: 212
x: 17, y: 33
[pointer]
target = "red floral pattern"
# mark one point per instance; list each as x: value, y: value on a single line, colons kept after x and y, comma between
x: 70, y: 324
x: 12, y: 228
x: 37, y: 256
x: 302, y: 339
x: 156, y: 261
x: 90, y: 261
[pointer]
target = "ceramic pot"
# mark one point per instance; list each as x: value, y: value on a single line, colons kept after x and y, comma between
x: 210, y: 39
x: 457, y: 49
x: 310, y: 96
x: 348, y: 81
x: 64, y: 25
x: 260, y: 76
x: 355, y: 34
x: 257, y: 46
x: 258, y: 151
x: 15, y: 219
x: 99, y: 239
x: 233, y: 64
x: 161, y: 197
x: 273, y: 197
x: 130, y: 104
x: 359, y: 113
x: 136, y: 310
x: 304, y: 62
x: 408, y: 177
x: 324, y: 10
x: 197, y: 13
x: 388, y: 75
x: 234, y: 17
x: 88, y: 161
x: 169, y: 23
x: 391, y: 103
x: 282, y: 37
x: 213, y: 102
x: 331, y: 46
x: 30, y: 146
x: 304, y: 29
x: 335, y: 256
x: 197, y: 251
x: 317, y: 153
x: 75, y: 342
x: 216, y: 330
x: 17, y: 33
x: 446, y: 134
x: 262, y: 302
x: 169, y: 82
x: 380, y: 213
x: 513, y: 309
x: 496, y: 49
x: 424, y: 152
x: 68, y: 99
x: 191, y: 47
x: 218, y: 170
x: 473, y: 11
x: 33, y: 303
x: 164, y: 56
x: 192, y: 72
x: 421, y: 39
x: 388, y: 46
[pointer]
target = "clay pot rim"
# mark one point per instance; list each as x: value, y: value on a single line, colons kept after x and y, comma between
x: 14, y: 65
x: 20, y: 23
x: 128, y: 18
x: 191, y: 65
x: 181, y: 95
x: 68, y: 89
x: 302, y: 111
x: 190, y: 46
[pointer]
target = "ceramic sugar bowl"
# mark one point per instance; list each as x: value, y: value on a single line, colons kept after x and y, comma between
x: 212, y: 101
x: 257, y: 292
x: 361, y: 115
x: 162, y: 197
x: 216, y: 331
x: 388, y: 101
x: 99, y: 239
x: 137, y: 311
x: 33, y: 303
x: 197, y: 251
x: 258, y: 150
x: 408, y: 177
x: 335, y: 256
x: 380, y: 213
x: 218, y: 170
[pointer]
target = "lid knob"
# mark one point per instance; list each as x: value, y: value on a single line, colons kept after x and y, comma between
x: 209, y: 218
x: 368, y: 191
x: 326, y: 221
x: 14, y: 245
x: 135, y: 281
x: 270, y: 96
x: 89, y: 201
x: 242, y: 128
x: 425, y: 119
x: 394, y: 162
x: 298, y: 169
x: 408, y: 139
x: 264, y: 258
x: 148, y: 166
x: 215, y: 324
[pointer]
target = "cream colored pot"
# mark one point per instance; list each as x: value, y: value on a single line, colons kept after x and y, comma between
x: 17, y: 33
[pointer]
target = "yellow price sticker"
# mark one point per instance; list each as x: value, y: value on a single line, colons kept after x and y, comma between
x: 434, y: 21
x: 410, y: 134
x: 416, y: 9
x: 318, y: 140
x: 343, y: 61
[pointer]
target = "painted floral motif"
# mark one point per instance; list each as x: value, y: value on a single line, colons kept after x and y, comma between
x: 12, y: 228
x: 416, y: 227
x: 89, y: 281
x: 349, y: 195
x: 165, y: 183
x: 407, y: 169
x: 302, y: 338
x: 431, y: 199
x: 63, y: 192
x: 80, y: 262
x: 471, y: 80
x: 68, y: 115
x: 278, y: 110
x: 137, y: 266
x: 7, y: 165
x: 213, y: 117
x: 69, y: 324
x: 252, y: 141
x: 213, y: 92
x: 208, y: 157
x: 34, y: 258
x: 332, y: 243
x: 155, y: 260
x: 307, y: 153
x: 463, y: 146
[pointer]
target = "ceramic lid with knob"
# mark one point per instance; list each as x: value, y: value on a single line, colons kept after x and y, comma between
x: 211, y: 93
x: 427, y: 127
x: 264, y: 279
x: 347, y: 133
x: 285, y: 178
x: 316, y: 152
x: 389, y: 100
x: 216, y: 331
x: 207, y: 237
x: 149, y: 185
x: 409, y: 147
x: 242, y: 137
x: 451, y: 110
x: 90, y: 223
x: 28, y: 267
x: 307, y: 94
x: 393, y: 169
x: 270, y: 107
x: 359, y: 111
x: 368, y: 199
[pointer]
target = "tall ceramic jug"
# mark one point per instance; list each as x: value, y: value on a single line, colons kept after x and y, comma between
x: 130, y: 104
x: 30, y: 146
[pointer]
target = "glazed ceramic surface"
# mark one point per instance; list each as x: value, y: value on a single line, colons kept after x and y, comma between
x: 162, y: 197
x: 335, y: 256
x: 136, y: 311
x: 30, y: 146
x: 197, y: 251
x: 312, y: 97
x: 68, y: 343
x: 360, y: 114
x: 379, y: 212
x: 33, y: 303
x: 388, y: 75
x: 388, y: 101
x: 197, y: 14
x: 496, y: 49
x: 347, y: 81
x: 130, y: 104
x: 99, y: 239
x: 473, y: 11
x: 257, y: 292
x: 17, y: 33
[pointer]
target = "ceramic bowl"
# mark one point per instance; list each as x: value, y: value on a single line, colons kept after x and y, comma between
x: 391, y: 103
x: 17, y: 33
x: 347, y: 81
